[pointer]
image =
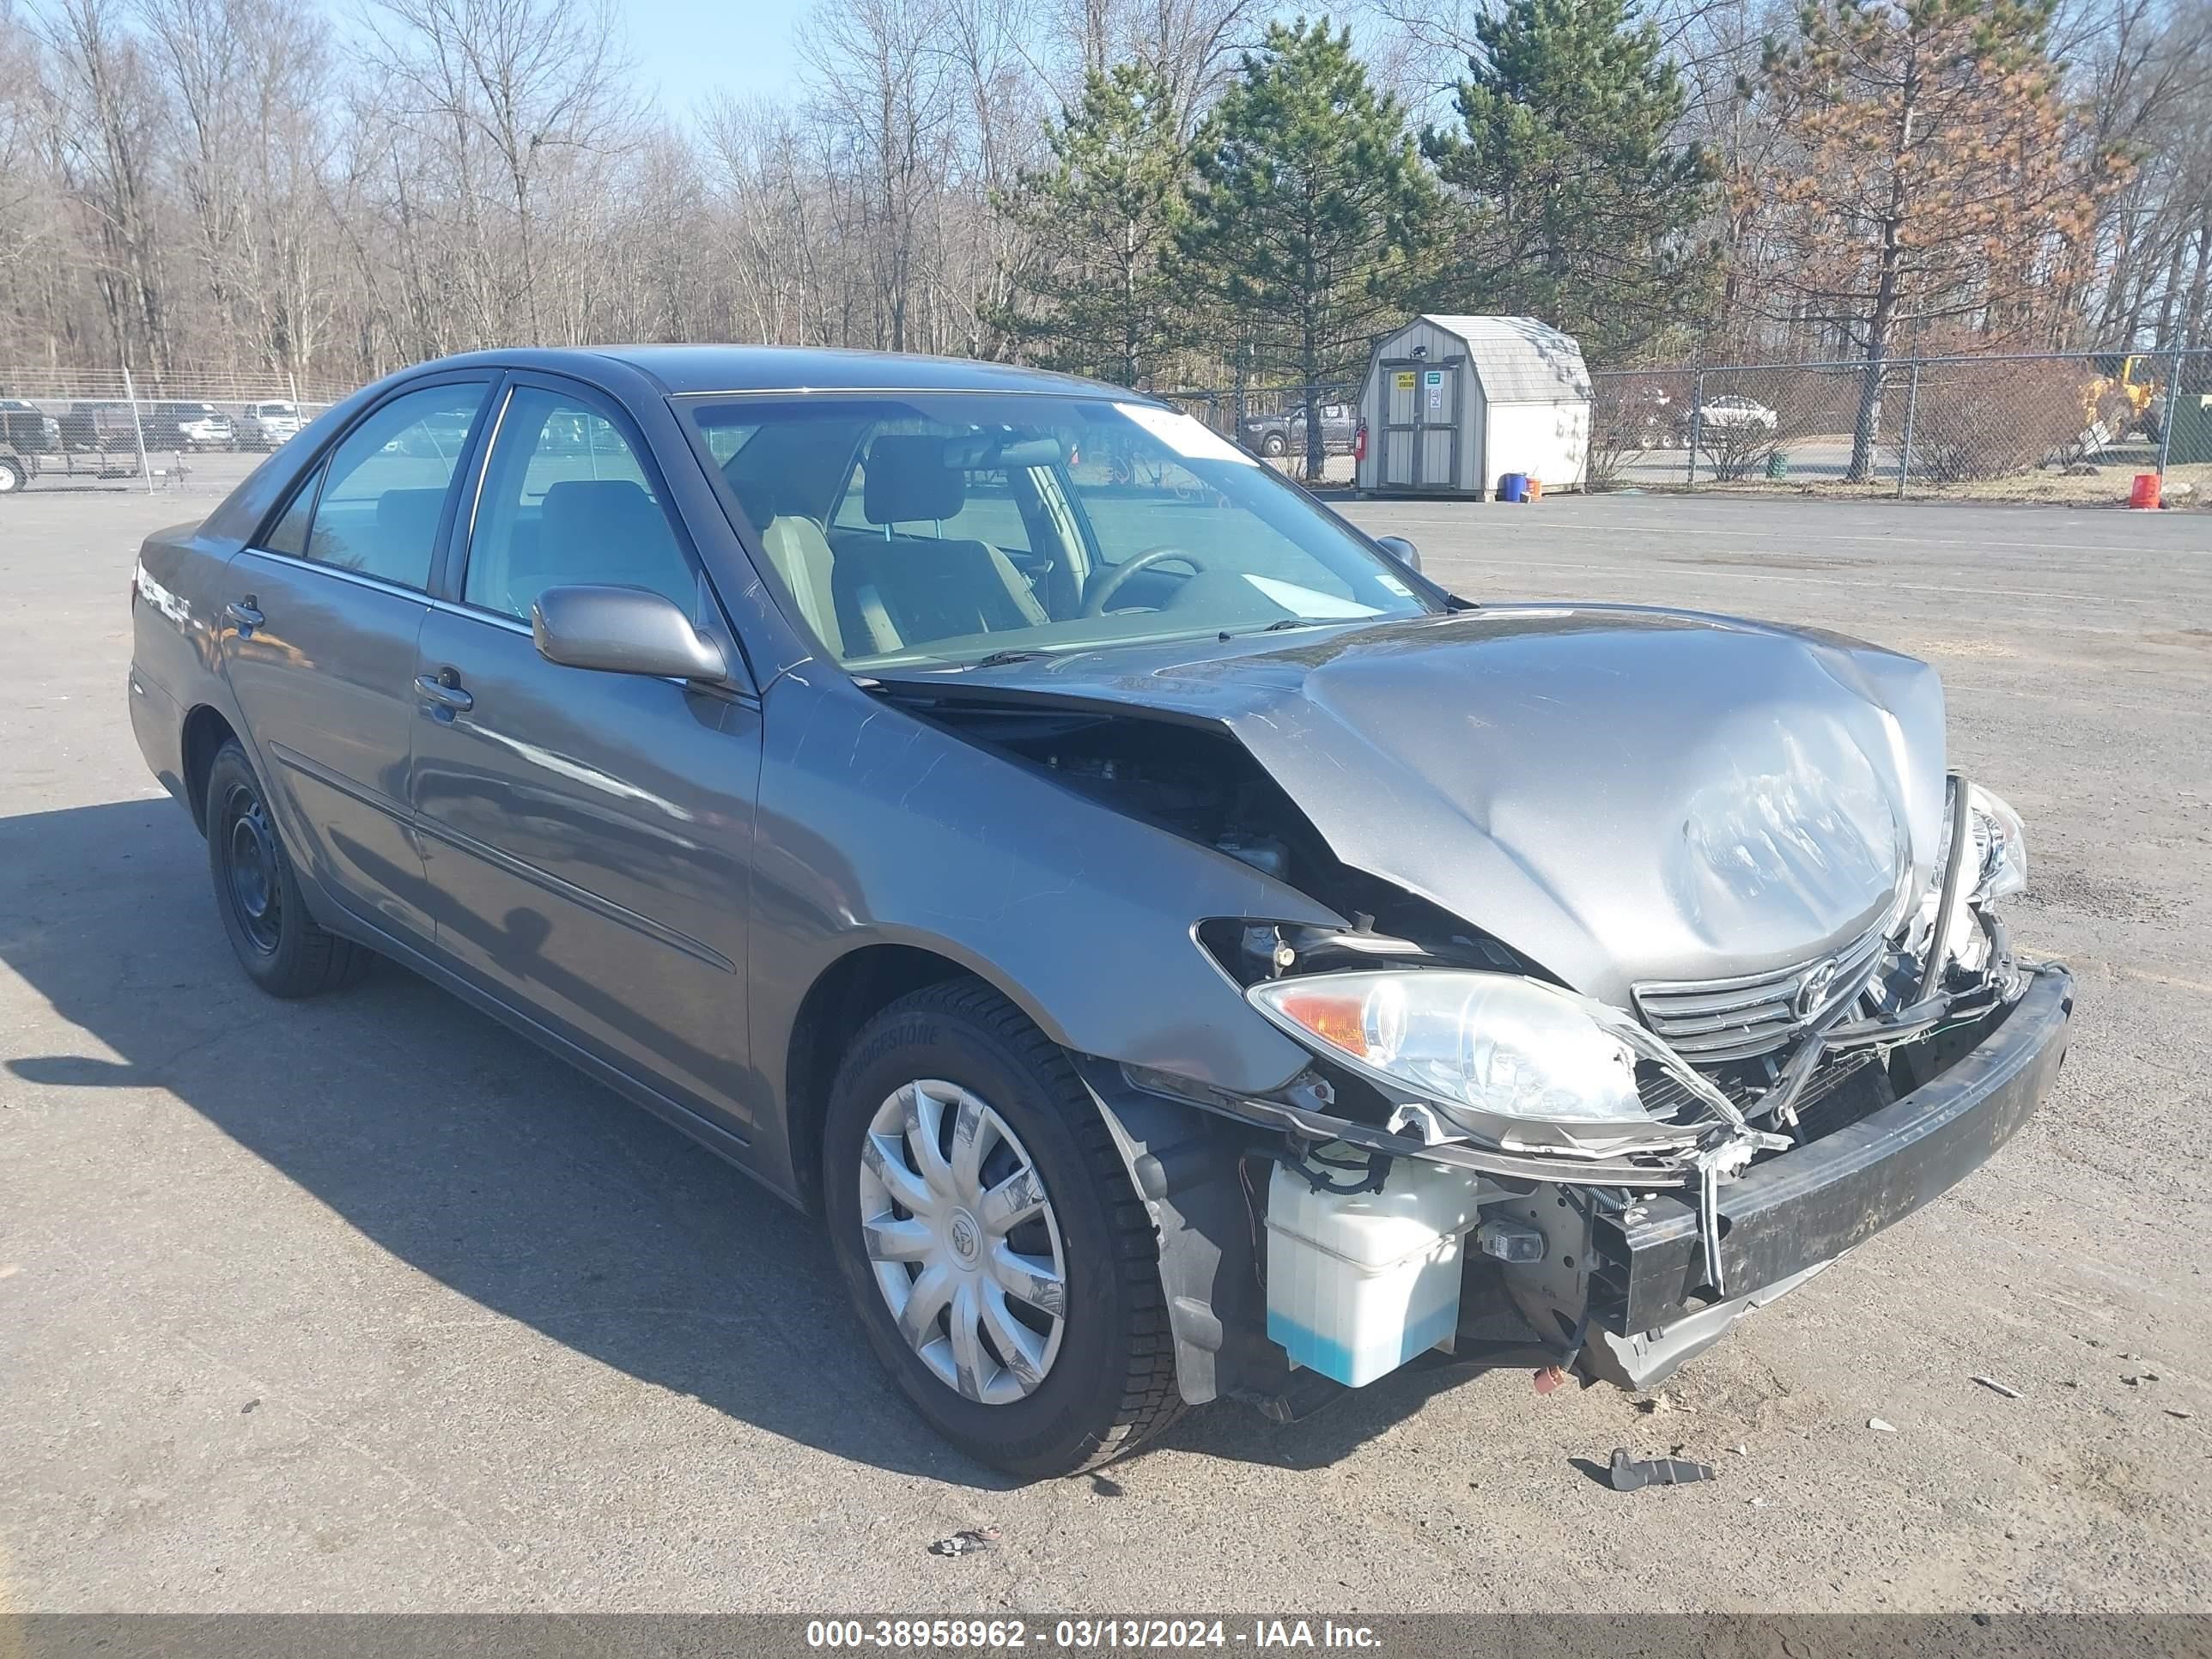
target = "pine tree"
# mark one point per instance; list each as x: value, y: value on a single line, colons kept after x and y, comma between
x: 1310, y: 212
x: 1097, y: 299
x: 1938, y: 177
x: 1582, y: 210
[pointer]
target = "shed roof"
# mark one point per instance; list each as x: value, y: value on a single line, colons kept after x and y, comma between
x: 1519, y: 360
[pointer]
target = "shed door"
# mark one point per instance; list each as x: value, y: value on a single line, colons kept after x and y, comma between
x: 1420, y: 429
x: 1401, y: 409
x: 1439, y: 416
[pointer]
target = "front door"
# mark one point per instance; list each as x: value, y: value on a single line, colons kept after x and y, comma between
x: 588, y: 835
x: 318, y: 640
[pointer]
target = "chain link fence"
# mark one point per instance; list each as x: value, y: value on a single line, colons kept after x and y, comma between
x: 1272, y: 421
x: 2059, y: 425
x: 1989, y: 426
x: 114, y: 424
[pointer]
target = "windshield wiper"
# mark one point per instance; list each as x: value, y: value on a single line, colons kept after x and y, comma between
x: 1001, y: 659
x: 1278, y: 626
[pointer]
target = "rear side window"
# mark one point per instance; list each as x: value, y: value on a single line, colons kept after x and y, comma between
x: 385, y: 487
x: 289, y: 533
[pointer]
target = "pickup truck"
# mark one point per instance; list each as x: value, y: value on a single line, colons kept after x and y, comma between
x: 266, y: 425
x: 1285, y: 433
x: 190, y: 426
x: 25, y: 434
x: 102, y: 426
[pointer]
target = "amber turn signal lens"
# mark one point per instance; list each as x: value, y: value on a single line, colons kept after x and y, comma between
x: 1336, y: 1018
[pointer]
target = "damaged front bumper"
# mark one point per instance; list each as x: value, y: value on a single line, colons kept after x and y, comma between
x: 1630, y: 1280
x: 1786, y: 1218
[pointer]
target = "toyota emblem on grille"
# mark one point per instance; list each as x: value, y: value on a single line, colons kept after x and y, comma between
x: 1814, y: 993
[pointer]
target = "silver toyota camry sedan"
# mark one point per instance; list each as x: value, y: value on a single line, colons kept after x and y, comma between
x: 1178, y: 950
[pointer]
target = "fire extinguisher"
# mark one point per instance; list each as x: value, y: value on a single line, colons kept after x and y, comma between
x: 1359, y: 443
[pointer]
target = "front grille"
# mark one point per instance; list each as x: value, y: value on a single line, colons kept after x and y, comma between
x: 1718, y: 1020
x: 1670, y: 1100
x: 1836, y: 1094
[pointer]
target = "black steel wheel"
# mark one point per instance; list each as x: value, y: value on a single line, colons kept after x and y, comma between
x: 277, y: 941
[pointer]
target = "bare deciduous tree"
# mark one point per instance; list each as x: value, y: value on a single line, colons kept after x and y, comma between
x: 189, y: 184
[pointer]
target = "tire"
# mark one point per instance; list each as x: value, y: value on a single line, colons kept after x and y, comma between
x: 277, y: 942
x: 13, y: 477
x: 1274, y: 444
x: 1106, y: 1380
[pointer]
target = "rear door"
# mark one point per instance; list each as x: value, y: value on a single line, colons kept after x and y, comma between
x: 319, y: 641
x: 588, y: 835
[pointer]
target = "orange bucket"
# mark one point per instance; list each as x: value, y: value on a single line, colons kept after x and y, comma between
x: 1535, y: 490
x: 2145, y: 494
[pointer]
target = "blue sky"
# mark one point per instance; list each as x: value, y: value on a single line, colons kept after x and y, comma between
x: 690, y: 48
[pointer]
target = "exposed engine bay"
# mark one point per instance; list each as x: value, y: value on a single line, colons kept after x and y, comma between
x: 1849, y: 1015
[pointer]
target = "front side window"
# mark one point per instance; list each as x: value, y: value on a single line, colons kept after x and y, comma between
x: 385, y: 487
x: 940, y: 528
x: 565, y: 501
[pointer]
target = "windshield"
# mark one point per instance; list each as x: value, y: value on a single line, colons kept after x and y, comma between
x: 945, y: 528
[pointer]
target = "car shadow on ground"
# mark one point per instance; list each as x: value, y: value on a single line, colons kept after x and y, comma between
x: 498, y: 1171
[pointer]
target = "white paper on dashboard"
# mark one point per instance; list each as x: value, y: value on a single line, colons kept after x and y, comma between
x: 1186, y: 437
x: 1308, y: 603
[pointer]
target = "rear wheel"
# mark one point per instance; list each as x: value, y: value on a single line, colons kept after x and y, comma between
x: 1004, y: 1270
x: 12, y: 475
x: 277, y: 942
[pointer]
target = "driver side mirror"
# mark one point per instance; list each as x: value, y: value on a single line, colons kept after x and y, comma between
x: 623, y: 630
x: 1401, y: 550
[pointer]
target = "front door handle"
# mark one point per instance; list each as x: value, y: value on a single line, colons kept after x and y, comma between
x: 247, y: 614
x: 441, y: 697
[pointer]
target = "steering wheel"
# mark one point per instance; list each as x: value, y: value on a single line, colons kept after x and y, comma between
x: 1094, y: 602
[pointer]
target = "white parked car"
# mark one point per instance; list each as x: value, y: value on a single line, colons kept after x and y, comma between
x: 1730, y: 411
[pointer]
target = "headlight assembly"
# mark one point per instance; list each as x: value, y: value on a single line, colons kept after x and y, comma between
x: 1496, y: 1045
x: 2000, y: 847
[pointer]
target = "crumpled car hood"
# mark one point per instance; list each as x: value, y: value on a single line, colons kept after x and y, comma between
x: 1619, y: 793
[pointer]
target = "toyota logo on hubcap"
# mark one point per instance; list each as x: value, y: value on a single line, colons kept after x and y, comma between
x: 967, y: 1236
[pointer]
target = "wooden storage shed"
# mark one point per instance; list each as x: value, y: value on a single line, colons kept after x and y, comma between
x: 1452, y: 404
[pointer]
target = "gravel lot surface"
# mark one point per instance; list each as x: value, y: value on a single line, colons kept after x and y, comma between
x: 365, y: 1304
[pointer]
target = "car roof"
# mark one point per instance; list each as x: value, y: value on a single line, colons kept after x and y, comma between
x: 681, y: 369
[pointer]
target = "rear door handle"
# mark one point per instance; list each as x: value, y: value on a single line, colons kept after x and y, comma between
x: 440, y: 698
x: 246, y: 613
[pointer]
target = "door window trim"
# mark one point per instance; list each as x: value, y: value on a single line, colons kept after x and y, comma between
x: 339, y: 572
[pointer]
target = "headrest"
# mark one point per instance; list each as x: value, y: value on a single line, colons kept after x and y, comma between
x: 907, y: 480
x: 612, y: 512
x: 407, y: 519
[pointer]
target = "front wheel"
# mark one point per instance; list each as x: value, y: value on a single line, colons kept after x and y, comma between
x: 277, y: 942
x: 13, y: 477
x: 1003, y: 1267
x: 1274, y: 444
